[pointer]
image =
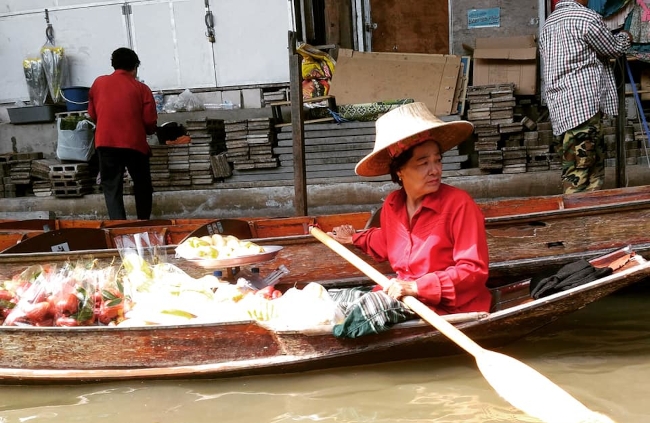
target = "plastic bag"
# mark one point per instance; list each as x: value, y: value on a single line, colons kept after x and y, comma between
x: 140, y: 253
x: 316, y: 64
x: 54, y: 63
x: 76, y: 144
x: 189, y: 102
x: 110, y: 302
x: 72, y: 295
x: 36, y: 80
x: 31, y: 291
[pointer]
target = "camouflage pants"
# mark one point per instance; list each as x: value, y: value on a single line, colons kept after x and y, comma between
x: 583, y: 157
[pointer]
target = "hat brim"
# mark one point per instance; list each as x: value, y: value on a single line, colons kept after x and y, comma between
x: 447, y: 135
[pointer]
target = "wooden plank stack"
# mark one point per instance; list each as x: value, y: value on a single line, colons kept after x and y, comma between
x: 506, y: 144
x: 159, y: 167
x: 236, y: 144
x: 331, y: 150
x: 179, y: 165
x: 207, y: 138
x: 542, y: 143
x: 491, y: 109
x: 41, y: 181
x: 249, y: 144
x: 4, y: 176
x: 16, y: 177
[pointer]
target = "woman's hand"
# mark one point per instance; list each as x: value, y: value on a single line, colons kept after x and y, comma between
x: 398, y: 289
x: 343, y: 233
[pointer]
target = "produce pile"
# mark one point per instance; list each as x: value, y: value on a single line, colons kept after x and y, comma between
x: 217, y: 246
x: 136, y: 292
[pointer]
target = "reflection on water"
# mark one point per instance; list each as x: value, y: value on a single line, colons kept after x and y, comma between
x: 599, y: 355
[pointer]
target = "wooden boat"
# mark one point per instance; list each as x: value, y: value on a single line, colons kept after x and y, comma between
x: 525, y: 235
x: 57, y: 354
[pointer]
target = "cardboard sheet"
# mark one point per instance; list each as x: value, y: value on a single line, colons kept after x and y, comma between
x: 501, y: 60
x: 369, y: 77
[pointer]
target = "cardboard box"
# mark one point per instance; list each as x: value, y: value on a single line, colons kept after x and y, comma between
x: 368, y: 77
x: 505, y: 60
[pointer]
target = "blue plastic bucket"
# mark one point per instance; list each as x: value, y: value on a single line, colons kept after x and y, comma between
x: 76, y: 98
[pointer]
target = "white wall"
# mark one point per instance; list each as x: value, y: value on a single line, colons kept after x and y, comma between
x: 168, y: 35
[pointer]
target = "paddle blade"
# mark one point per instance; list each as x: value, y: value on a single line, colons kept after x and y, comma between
x: 531, y: 392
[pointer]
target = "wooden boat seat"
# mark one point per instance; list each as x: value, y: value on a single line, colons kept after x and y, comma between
x: 235, y: 227
x: 72, y: 239
x: 29, y: 224
x: 510, y: 295
x: 8, y: 240
x: 517, y: 293
x: 138, y: 223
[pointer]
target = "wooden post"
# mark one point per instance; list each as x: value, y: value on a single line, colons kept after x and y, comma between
x: 298, y: 128
x: 621, y: 120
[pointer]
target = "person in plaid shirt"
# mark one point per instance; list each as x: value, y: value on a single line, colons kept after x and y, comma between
x: 576, y: 48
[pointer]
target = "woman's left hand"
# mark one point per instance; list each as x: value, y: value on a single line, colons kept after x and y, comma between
x: 398, y: 289
x: 343, y: 233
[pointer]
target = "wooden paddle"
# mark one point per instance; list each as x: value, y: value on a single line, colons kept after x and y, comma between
x: 517, y: 383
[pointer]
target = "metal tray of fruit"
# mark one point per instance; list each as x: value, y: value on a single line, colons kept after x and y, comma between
x: 270, y: 251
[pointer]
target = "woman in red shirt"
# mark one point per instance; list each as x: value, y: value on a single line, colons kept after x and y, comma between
x: 432, y: 234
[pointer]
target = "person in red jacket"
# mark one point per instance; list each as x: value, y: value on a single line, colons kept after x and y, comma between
x: 124, y: 111
x: 432, y: 234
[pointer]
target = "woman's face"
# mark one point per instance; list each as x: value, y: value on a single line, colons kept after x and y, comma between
x: 422, y: 174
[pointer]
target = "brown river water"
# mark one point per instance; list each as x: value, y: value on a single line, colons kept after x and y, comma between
x: 600, y: 355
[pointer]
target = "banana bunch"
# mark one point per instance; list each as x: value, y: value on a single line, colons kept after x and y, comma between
x: 217, y: 246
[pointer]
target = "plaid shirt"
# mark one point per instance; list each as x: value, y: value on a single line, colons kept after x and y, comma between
x: 576, y: 47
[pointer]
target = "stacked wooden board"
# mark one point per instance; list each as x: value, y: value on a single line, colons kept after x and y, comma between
x: 41, y: 181
x: 15, y: 173
x: 505, y: 144
x: 332, y: 150
x: 249, y: 144
x: 207, y: 139
x: 159, y: 167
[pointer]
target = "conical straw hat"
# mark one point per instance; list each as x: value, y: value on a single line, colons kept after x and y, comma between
x: 405, y: 127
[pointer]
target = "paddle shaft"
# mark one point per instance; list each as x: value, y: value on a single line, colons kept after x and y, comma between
x: 517, y: 383
x: 413, y: 303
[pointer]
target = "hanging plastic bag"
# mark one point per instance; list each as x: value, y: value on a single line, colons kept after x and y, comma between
x: 54, y: 65
x: 76, y: 139
x: 189, y: 102
x: 36, y: 80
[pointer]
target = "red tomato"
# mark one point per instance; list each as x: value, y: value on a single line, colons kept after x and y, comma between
x: 68, y: 304
x: 109, y: 313
x: 67, y: 321
x: 5, y: 295
x: 36, y: 312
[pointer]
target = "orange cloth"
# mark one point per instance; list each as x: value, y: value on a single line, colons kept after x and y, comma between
x: 183, y: 139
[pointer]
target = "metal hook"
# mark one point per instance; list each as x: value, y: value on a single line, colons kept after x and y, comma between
x: 49, y: 31
x: 209, y: 22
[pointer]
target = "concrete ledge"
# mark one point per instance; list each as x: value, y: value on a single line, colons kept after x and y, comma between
x: 277, y: 201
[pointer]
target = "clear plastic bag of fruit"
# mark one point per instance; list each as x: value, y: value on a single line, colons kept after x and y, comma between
x: 32, y: 288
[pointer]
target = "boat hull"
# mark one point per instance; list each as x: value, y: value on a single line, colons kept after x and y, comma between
x: 33, y: 354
